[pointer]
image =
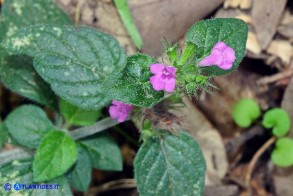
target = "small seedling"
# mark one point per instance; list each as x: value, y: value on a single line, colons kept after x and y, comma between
x: 245, y: 112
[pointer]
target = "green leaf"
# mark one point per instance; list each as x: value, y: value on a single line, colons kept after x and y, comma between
x: 124, y: 12
x: 75, y: 61
x: 78, y: 116
x: 245, y: 111
x: 56, y: 154
x: 132, y: 85
x: 283, y: 153
x: 20, y: 171
x: 16, y: 14
x: 80, y: 175
x: 28, y: 124
x: 104, y: 152
x: 170, y: 165
x: 206, y: 33
x: 17, y: 72
x: 279, y: 120
x: 3, y: 134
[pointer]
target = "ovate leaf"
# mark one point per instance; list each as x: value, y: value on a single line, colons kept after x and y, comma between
x: 81, y: 174
x: 75, y: 61
x: 104, y: 152
x: 20, y: 171
x: 132, y: 85
x: 206, y: 33
x: 277, y: 119
x: 170, y: 165
x: 17, y: 72
x: 56, y: 154
x: 28, y: 124
x: 283, y: 153
x: 77, y: 116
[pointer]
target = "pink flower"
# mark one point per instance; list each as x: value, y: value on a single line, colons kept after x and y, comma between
x: 164, y: 78
x: 222, y: 56
x: 119, y: 110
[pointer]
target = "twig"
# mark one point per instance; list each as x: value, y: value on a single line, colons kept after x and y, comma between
x: 254, y: 159
x: 276, y: 77
x: 112, y: 185
x: 77, y: 11
x: 90, y: 130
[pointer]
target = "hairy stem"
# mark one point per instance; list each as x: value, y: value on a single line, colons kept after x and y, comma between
x: 96, y: 128
x: 11, y: 155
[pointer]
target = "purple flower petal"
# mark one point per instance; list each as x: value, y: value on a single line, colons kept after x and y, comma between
x: 157, y: 83
x: 170, y: 85
x: 157, y: 68
x: 114, y: 113
x: 221, y: 55
x: 122, y: 117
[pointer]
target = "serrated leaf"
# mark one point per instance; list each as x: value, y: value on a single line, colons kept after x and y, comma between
x: 74, y: 60
x: 132, y: 85
x: 20, y: 171
x: 282, y: 154
x: 104, y: 152
x: 80, y: 175
x: 279, y: 120
x: 78, y: 116
x: 206, y: 33
x: 55, y: 155
x: 170, y: 165
x: 245, y: 111
x: 3, y: 134
x: 17, y: 72
x: 28, y: 124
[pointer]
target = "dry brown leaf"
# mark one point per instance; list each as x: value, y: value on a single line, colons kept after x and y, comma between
x: 287, y: 18
x: 245, y: 4
x: 252, y: 43
x: 286, y: 31
x: 242, y: 4
x: 282, y: 49
x: 246, y: 18
x: 157, y: 19
x: 287, y: 102
x: 266, y: 15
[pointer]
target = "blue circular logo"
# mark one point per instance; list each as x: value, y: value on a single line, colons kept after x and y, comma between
x: 17, y: 186
x: 7, y: 187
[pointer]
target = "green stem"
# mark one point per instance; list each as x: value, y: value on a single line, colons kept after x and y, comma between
x: 96, y: 128
x: 124, y: 12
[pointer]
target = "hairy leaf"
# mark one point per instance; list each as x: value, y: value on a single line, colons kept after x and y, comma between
x: 81, y: 174
x: 104, y: 152
x: 56, y: 154
x: 206, y: 33
x: 75, y: 61
x: 17, y: 72
x: 170, y: 165
x: 132, y: 85
x: 28, y: 124
x: 20, y: 171
x: 78, y: 116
